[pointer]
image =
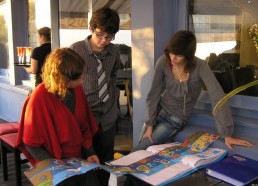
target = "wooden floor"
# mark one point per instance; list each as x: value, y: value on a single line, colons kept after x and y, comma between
x: 11, y: 174
x: 11, y: 171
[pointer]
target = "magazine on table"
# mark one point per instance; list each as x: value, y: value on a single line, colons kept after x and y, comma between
x: 54, y: 171
x: 236, y: 170
x: 160, y: 164
x: 156, y: 165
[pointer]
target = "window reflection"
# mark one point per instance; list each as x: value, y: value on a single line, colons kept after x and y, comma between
x: 75, y: 15
x: 221, y: 28
x: 4, y: 59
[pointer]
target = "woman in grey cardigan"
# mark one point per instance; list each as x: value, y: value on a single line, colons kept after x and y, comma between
x: 176, y: 86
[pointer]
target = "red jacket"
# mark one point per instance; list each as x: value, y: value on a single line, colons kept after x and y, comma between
x: 46, y: 122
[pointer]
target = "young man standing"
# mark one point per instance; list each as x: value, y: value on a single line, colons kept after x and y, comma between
x: 102, y: 59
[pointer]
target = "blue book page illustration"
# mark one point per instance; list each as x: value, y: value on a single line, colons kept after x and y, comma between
x: 54, y: 171
x: 168, y: 163
x: 168, y: 156
x: 158, y: 165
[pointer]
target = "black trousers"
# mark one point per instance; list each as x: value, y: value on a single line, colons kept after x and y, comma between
x: 89, y: 178
x: 103, y: 143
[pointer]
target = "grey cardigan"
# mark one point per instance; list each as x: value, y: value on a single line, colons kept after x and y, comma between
x: 178, y: 99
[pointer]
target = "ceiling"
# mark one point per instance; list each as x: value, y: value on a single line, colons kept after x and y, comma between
x: 225, y: 7
x: 79, y: 6
x: 218, y: 7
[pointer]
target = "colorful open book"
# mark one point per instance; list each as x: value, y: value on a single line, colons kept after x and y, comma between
x: 161, y: 164
x: 157, y: 165
x: 54, y: 171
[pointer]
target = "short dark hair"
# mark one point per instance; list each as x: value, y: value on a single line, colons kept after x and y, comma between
x: 106, y: 19
x: 45, y: 31
x: 182, y: 43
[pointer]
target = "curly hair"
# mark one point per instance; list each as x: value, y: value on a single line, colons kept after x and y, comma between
x: 62, y: 66
x: 105, y: 19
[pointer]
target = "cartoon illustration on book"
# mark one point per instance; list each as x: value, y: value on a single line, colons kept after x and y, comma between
x: 196, y: 143
x: 53, y: 171
x: 155, y: 165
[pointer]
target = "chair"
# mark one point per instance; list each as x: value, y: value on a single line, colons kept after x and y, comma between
x: 224, y: 80
x: 243, y: 76
x: 7, y: 128
x: 8, y: 145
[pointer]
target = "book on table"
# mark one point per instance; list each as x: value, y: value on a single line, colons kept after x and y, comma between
x: 54, y: 171
x: 236, y: 170
x: 157, y: 165
x: 161, y: 164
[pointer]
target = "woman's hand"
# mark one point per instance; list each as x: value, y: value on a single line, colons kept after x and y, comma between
x: 148, y: 134
x: 229, y: 141
x: 93, y: 159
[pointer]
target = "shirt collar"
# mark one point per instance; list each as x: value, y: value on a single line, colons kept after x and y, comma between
x: 106, y: 51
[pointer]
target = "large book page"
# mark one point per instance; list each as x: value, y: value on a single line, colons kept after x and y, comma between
x: 157, y: 148
x: 168, y: 174
x: 168, y: 162
x: 188, y: 164
x: 53, y: 171
x: 132, y: 158
x: 161, y: 156
x: 203, y: 158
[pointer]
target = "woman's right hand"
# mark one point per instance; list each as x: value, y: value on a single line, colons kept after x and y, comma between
x: 93, y: 159
x: 148, y: 134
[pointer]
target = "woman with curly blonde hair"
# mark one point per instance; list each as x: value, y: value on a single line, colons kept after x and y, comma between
x: 56, y: 120
x: 60, y: 70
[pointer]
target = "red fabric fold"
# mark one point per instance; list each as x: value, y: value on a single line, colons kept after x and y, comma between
x: 46, y: 122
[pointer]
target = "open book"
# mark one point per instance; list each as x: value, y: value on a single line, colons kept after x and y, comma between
x: 156, y: 165
x: 54, y: 171
x: 161, y: 164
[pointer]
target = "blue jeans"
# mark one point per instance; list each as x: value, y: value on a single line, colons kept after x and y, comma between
x: 167, y: 126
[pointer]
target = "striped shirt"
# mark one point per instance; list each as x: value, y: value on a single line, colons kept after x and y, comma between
x: 105, y: 113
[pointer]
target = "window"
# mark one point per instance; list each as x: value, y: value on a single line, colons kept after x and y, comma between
x: 75, y: 14
x: 4, y: 54
x: 222, y: 31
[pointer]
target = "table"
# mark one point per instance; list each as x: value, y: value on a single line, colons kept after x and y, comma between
x: 198, y: 178
x: 22, y: 65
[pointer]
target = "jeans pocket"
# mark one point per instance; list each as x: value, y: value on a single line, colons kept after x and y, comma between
x: 173, y: 120
x: 178, y: 123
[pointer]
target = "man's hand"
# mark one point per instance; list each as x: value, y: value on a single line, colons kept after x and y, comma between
x: 229, y: 141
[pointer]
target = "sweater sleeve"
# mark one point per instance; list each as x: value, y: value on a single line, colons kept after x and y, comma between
x: 88, y: 152
x: 38, y: 153
x: 223, y: 118
x: 155, y: 92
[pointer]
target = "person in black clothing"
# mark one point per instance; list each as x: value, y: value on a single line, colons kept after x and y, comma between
x: 40, y: 53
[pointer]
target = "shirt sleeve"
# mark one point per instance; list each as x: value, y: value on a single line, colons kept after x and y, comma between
x: 115, y: 68
x: 88, y: 152
x: 157, y: 87
x: 34, y: 54
x: 223, y: 119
